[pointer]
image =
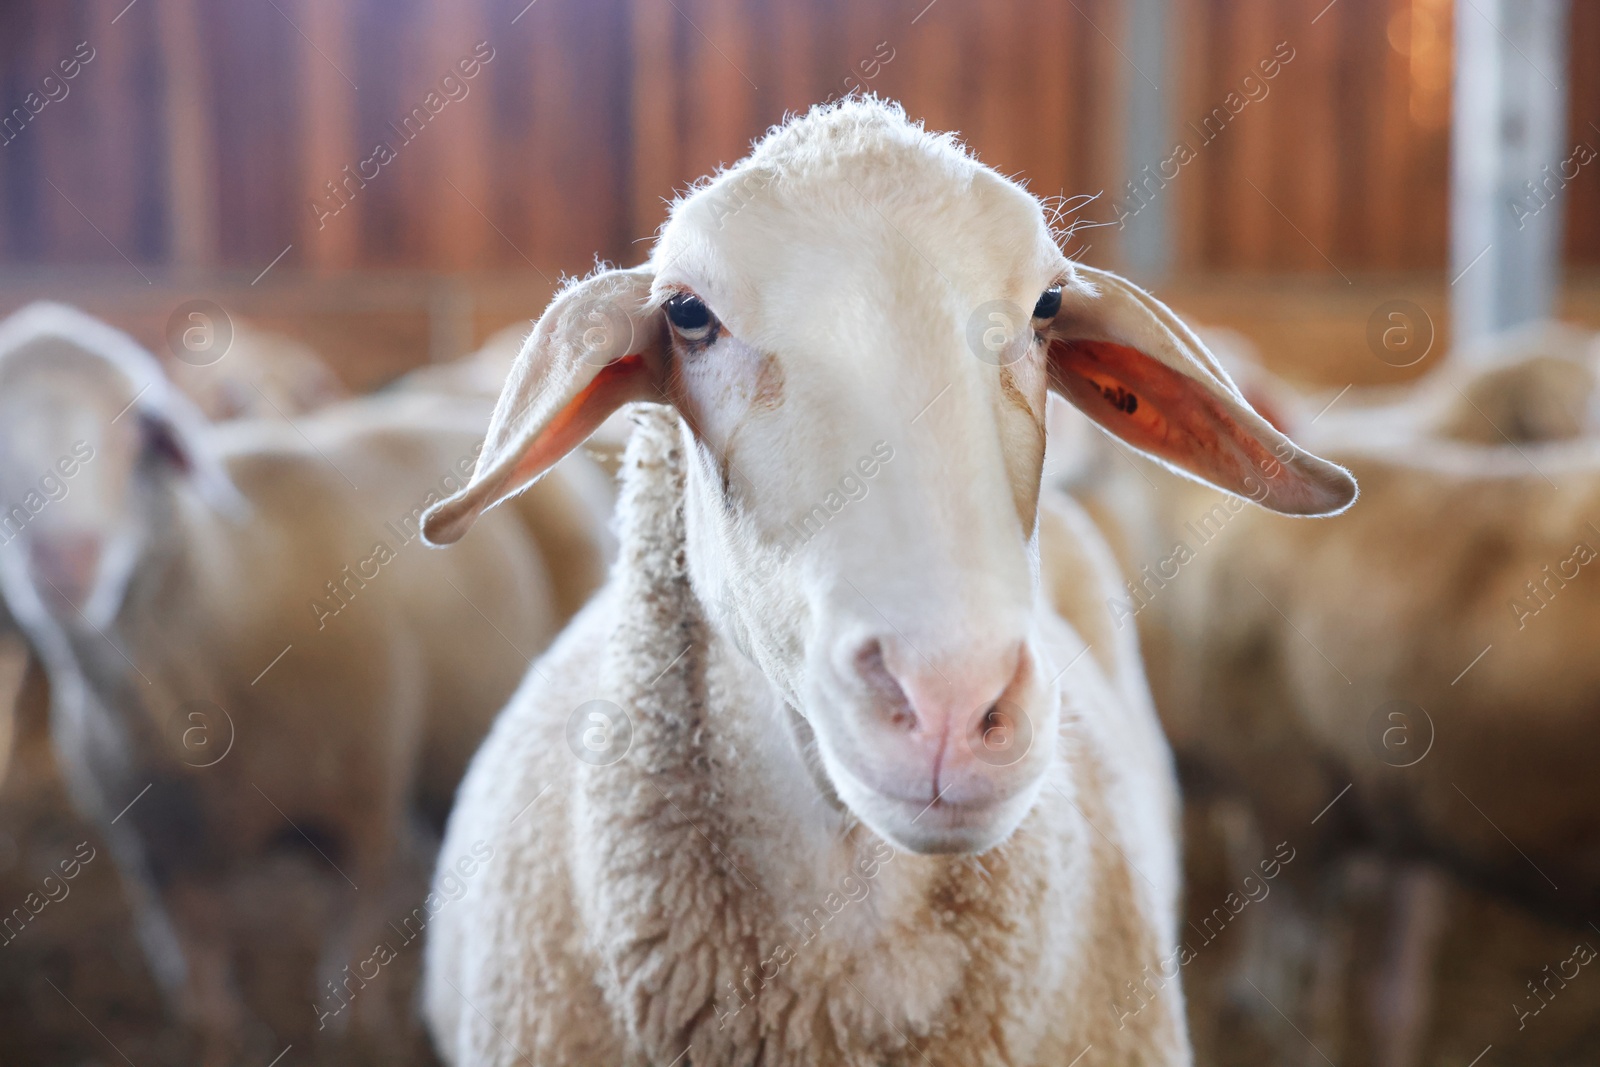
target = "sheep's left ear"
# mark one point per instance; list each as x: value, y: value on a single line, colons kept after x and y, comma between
x: 597, y: 347
x: 1125, y: 360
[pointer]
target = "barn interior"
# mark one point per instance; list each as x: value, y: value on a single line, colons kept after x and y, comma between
x: 1353, y: 195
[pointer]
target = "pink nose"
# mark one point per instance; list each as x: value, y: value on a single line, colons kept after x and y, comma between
x: 64, y: 565
x: 960, y: 713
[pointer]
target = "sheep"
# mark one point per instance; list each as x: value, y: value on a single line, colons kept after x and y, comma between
x: 1536, y: 383
x: 480, y: 373
x: 1531, y: 384
x: 246, y: 647
x: 1430, y: 648
x: 261, y: 375
x: 820, y: 777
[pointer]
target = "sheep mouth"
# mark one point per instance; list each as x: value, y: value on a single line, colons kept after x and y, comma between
x: 973, y: 795
x: 934, y: 824
x: 941, y: 828
x: 945, y: 814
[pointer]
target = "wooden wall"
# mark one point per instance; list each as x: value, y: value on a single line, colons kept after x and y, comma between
x: 202, y: 131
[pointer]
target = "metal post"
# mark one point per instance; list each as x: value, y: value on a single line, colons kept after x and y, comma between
x: 1508, y: 155
x: 1147, y: 233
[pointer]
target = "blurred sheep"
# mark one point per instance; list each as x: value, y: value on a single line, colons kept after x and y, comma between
x: 1295, y: 658
x: 262, y: 375
x: 1408, y: 688
x: 1532, y: 384
x: 480, y: 373
x: 249, y: 650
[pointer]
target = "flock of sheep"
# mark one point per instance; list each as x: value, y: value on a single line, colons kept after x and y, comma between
x: 892, y: 792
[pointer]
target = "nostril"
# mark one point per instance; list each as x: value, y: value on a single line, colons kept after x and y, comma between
x: 1004, y: 735
x: 998, y: 727
x: 993, y: 719
x: 887, y: 695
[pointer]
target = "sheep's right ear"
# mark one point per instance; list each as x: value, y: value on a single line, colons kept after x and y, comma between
x: 599, y: 345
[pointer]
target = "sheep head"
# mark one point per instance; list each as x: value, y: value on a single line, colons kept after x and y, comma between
x: 87, y: 420
x: 858, y: 325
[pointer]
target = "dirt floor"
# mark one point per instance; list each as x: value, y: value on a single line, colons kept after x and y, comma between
x: 1370, y: 960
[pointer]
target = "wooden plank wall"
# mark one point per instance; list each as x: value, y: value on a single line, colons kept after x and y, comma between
x: 203, y: 131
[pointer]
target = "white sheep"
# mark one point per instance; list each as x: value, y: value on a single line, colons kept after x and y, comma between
x: 820, y: 777
x: 1536, y: 383
x: 263, y: 374
x: 247, y: 647
x: 1431, y: 648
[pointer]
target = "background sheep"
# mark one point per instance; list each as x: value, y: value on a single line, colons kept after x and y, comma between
x: 261, y: 375
x: 773, y: 689
x: 1533, y: 384
x: 1294, y: 662
x: 247, y: 650
x: 483, y: 374
x: 1493, y: 525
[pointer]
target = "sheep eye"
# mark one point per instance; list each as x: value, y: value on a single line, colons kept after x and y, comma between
x: 1049, y: 303
x: 690, y: 317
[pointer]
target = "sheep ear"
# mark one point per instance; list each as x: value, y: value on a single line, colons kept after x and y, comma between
x: 173, y: 431
x: 1125, y: 360
x: 598, y: 346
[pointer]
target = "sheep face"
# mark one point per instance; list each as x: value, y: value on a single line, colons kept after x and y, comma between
x: 858, y: 326
x: 864, y: 481
x: 83, y: 431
